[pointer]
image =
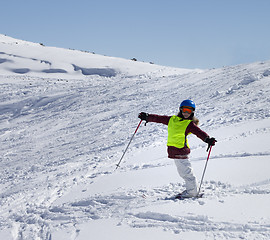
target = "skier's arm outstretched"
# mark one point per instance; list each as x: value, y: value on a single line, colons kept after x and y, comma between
x: 154, y: 118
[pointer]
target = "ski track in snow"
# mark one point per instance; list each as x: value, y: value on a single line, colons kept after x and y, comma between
x: 125, y: 206
x: 34, y: 217
x: 62, y: 134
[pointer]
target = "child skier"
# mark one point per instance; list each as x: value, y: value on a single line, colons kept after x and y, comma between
x: 179, y: 126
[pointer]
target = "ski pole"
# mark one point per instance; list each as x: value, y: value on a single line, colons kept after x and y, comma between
x: 117, y: 165
x: 204, y: 170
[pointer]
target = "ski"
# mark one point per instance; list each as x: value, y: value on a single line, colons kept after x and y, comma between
x: 180, y: 197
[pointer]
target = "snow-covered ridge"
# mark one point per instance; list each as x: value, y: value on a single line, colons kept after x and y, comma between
x: 22, y: 57
x: 62, y: 134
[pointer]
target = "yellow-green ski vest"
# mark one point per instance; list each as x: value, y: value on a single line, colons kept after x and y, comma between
x: 176, y: 132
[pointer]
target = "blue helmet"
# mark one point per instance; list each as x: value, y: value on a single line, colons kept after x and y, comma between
x: 187, y: 103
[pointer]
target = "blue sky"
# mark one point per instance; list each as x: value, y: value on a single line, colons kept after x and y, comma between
x: 178, y: 33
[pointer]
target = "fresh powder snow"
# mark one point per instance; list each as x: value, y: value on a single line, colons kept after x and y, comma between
x: 67, y: 116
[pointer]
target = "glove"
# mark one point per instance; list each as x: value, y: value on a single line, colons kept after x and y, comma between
x: 143, y: 116
x: 211, y: 142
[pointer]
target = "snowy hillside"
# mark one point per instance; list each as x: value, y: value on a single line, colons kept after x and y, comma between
x: 21, y: 57
x: 66, y: 116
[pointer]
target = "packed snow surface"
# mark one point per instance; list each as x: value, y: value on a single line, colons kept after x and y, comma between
x: 66, y: 117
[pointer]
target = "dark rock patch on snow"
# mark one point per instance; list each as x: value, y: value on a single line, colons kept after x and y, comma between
x: 103, y: 72
x: 266, y: 73
x: 3, y: 60
x: 55, y: 70
x: 21, y: 70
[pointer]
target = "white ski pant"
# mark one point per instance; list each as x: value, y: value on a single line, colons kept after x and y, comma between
x: 185, y: 171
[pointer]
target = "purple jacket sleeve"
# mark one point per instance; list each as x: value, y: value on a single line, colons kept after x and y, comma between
x: 159, y: 119
x: 193, y: 128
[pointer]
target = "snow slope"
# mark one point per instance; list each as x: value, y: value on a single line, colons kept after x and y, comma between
x: 66, y: 117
